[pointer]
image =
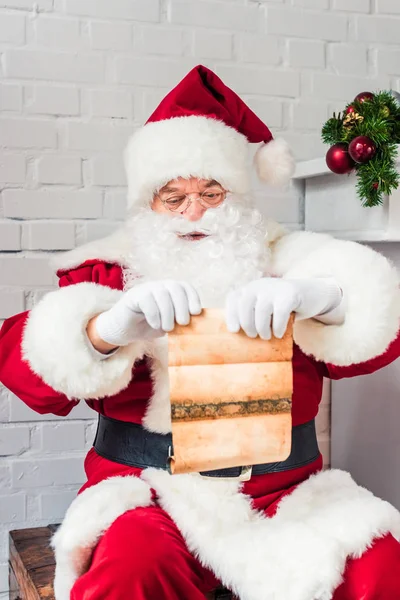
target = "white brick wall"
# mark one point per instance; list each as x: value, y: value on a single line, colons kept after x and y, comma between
x: 51, y: 100
x: 76, y: 76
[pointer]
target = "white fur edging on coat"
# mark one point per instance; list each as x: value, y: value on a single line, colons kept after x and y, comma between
x: 56, y: 347
x: 88, y: 517
x: 370, y: 285
x: 298, y: 554
x: 158, y: 412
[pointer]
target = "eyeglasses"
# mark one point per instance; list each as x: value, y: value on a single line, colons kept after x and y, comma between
x: 210, y: 198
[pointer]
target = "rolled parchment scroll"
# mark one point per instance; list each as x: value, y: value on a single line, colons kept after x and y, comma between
x: 231, y: 396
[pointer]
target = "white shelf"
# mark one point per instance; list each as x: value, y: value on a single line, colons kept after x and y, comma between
x: 317, y: 166
x: 364, y: 236
x: 331, y: 205
x: 311, y: 168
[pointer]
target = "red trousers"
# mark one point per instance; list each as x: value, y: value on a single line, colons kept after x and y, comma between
x: 143, y: 556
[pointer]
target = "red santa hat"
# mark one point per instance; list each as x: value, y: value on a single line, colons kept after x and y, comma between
x: 203, y: 129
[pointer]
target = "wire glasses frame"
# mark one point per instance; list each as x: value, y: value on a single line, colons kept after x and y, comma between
x: 210, y: 198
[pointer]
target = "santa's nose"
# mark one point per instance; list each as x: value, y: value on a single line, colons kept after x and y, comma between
x: 194, y: 211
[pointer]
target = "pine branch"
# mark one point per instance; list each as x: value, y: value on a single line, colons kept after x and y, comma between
x: 375, y: 128
x: 379, y: 119
x: 332, y: 131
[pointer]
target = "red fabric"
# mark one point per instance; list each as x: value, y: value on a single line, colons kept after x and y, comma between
x: 374, y: 576
x: 142, y: 556
x: 96, y: 271
x: 162, y: 566
x: 16, y: 374
x: 202, y: 93
x: 265, y: 490
x: 365, y: 368
x: 130, y: 404
x: 158, y: 564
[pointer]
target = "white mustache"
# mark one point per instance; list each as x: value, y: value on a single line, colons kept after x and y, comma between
x: 211, y: 222
x: 192, y: 231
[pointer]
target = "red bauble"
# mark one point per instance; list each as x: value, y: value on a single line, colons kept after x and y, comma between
x: 362, y: 149
x: 349, y: 110
x: 364, y: 96
x: 338, y: 159
x: 375, y: 185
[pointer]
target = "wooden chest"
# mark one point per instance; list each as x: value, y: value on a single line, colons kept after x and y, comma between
x: 32, y: 565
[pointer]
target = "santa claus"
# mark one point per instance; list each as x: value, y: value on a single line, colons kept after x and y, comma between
x: 193, y: 238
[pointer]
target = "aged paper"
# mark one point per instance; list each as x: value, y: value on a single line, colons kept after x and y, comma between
x: 230, y: 396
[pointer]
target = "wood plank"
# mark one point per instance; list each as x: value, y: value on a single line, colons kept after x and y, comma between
x: 35, y: 555
x: 29, y: 533
x: 52, y: 527
x: 26, y: 585
x: 13, y: 584
x: 43, y: 579
x: 32, y: 561
x: 32, y: 565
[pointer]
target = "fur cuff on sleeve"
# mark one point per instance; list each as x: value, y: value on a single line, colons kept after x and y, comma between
x: 56, y: 347
x: 370, y: 285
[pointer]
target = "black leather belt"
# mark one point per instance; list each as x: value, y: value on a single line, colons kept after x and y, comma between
x: 131, y: 444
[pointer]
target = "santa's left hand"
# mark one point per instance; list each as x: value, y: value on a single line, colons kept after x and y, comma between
x: 270, y: 301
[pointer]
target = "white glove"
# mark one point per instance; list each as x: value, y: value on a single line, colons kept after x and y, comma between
x: 253, y: 306
x: 147, y: 311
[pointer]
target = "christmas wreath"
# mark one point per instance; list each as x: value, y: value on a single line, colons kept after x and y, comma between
x: 364, y: 139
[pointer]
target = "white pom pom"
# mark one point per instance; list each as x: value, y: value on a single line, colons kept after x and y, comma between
x: 274, y: 162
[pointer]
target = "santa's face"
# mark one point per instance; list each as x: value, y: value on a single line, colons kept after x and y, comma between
x: 198, y: 232
x: 189, y: 198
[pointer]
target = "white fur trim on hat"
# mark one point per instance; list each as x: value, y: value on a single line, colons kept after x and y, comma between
x: 185, y: 147
x: 274, y: 162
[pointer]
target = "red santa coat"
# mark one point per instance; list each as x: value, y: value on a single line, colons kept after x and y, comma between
x: 45, y: 359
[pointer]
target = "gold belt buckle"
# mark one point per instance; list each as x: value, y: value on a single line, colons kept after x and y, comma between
x: 244, y: 475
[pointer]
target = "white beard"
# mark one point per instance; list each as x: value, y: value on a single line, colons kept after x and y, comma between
x: 235, y: 253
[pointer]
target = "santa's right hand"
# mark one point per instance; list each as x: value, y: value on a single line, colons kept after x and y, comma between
x: 148, y: 310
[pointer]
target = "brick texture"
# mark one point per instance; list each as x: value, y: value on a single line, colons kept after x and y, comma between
x: 76, y: 78
x: 11, y: 98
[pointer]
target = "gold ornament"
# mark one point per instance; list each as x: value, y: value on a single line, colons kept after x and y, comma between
x: 352, y: 118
